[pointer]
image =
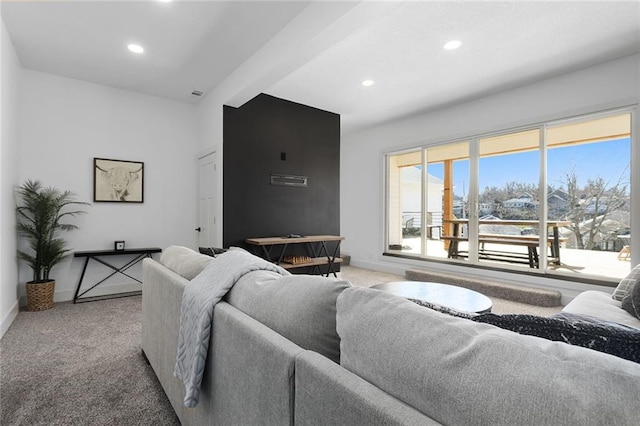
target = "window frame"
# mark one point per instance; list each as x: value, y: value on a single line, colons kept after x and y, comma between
x: 473, y: 201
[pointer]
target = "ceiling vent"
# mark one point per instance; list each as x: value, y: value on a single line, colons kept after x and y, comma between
x: 197, y: 93
x: 289, y: 180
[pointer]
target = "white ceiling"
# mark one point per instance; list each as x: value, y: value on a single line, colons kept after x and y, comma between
x: 317, y: 53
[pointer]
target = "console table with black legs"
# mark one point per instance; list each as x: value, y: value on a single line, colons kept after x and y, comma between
x: 136, y: 254
x: 316, y: 246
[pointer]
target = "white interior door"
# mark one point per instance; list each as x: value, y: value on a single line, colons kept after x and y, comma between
x: 207, y: 200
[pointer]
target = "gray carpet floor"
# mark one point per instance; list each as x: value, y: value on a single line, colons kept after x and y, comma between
x: 82, y: 364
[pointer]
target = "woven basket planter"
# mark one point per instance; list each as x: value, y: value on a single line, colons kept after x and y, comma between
x: 40, y: 296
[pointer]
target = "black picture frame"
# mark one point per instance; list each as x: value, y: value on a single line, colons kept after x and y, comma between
x: 118, y: 181
x: 118, y: 245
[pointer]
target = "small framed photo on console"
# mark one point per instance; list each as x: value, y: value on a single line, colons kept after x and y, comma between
x: 119, y: 245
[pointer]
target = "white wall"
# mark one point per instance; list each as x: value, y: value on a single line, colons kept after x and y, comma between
x: 65, y: 123
x: 9, y: 89
x: 612, y: 84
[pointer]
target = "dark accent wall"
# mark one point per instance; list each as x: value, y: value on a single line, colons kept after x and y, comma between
x: 271, y: 135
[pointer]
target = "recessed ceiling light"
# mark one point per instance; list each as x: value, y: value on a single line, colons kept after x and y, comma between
x: 135, y: 48
x: 367, y: 83
x: 164, y: 1
x: 453, y: 44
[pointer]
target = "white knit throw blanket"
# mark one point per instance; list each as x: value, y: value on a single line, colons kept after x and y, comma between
x: 196, y: 317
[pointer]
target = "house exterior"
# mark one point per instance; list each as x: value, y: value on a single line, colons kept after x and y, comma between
x: 557, y: 203
x: 485, y: 208
x: 525, y: 201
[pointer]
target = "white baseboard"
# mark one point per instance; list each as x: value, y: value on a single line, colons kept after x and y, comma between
x: 8, y: 319
x: 99, y: 291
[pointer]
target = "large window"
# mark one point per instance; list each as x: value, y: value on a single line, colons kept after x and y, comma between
x: 509, y: 197
x: 553, y: 198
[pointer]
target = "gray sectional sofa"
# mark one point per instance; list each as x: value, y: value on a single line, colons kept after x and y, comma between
x: 315, y: 351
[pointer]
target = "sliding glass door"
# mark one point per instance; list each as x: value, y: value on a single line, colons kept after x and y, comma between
x: 404, y: 203
x: 552, y: 198
x: 447, y: 195
x: 509, y: 199
x: 589, y: 189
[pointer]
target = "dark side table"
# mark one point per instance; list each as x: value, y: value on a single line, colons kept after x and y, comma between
x: 136, y: 255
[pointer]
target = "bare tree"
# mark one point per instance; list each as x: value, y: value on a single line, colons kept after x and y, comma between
x: 586, y: 206
x: 591, y: 205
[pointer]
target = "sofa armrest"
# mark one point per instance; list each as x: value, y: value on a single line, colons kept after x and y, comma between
x: 161, y: 304
x: 249, y: 373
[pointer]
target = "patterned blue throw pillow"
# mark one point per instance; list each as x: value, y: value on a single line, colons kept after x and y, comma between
x: 579, y: 330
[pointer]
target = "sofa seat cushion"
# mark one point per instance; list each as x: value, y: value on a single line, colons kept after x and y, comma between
x: 184, y: 261
x: 301, y: 308
x: 600, y: 305
x: 461, y: 372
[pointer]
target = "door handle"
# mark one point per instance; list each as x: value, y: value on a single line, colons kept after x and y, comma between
x: 199, y: 229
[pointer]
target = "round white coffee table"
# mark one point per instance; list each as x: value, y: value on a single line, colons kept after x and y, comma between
x: 450, y: 296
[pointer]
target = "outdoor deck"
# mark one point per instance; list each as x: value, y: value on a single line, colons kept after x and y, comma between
x: 575, y: 262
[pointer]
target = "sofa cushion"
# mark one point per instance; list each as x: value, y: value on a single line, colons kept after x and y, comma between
x: 574, y: 329
x: 211, y: 251
x: 301, y: 308
x: 184, y: 261
x: 461, y: 372
x: 631, y: 302
x: 626, y: 284
x: 600, y: 304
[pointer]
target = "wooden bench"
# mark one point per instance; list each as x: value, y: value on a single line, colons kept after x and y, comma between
x: 531, y: 242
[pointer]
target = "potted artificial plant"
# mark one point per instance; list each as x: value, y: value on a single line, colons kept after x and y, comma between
x: 42, y: 214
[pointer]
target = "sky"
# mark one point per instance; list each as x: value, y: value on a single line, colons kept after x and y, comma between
x: 609, y: 159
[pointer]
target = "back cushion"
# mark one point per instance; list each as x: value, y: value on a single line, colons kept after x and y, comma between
x: 184, y: 261
x: 301, y: 308
x: 460, y: 372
